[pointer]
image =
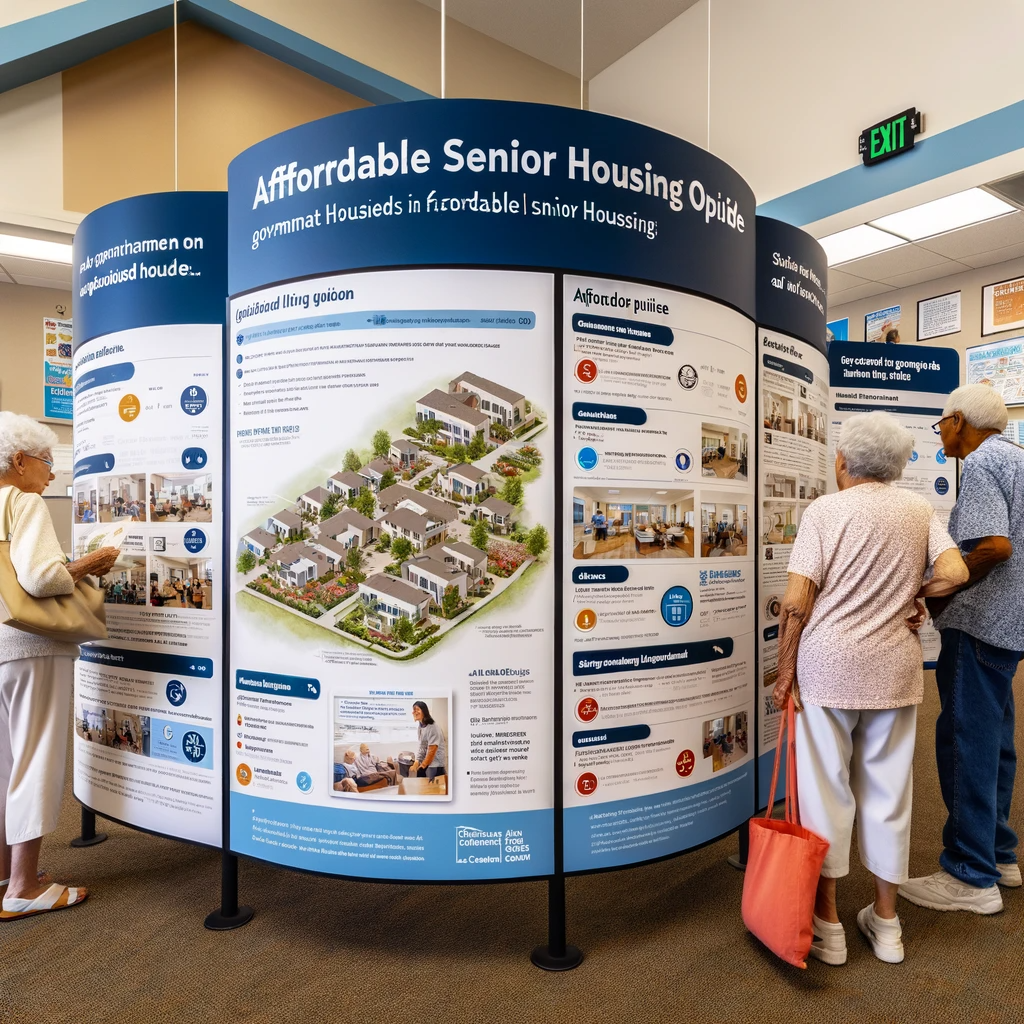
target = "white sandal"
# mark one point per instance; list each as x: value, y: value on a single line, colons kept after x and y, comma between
x: 57, y: 897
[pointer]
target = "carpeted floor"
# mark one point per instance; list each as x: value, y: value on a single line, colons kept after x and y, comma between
x: 662, y: 943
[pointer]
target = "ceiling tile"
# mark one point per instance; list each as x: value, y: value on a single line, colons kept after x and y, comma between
x: 37, y: 272
x: 993, y: 234
x: 987, y: 259
x: 928, y: 274
x: 838, y: 280
x: 862, y: 291
x: 902, y: 260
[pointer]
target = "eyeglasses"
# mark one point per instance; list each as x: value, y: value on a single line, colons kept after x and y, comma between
x: 936, y: 426
x: 38, y: 458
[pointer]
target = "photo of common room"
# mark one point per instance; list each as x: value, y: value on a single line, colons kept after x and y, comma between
x: 779, y: 413
x: 126, y: 582
x: 85, y: 501
x: 181, y: 497
x: 811, y: 488
x: 723, y: 527
x: 779, y: 522
x: 114, y: 727
x: 723, y: 451
x: 620, y: 524
x: 725, y: 740
x: 181, y: 582
x: 91, y: 723
x: 122, y: 498
x: 810, y: 423
x: 391, y: 748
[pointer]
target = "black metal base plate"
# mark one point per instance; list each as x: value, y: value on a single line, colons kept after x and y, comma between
x: 542, y: 957
x: 100, y: 837
x: 737, y: 863
x: 218, y: 922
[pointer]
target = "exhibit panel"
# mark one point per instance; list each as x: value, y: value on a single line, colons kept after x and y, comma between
x: 792, y: 465
x: 149, y: 282
x: 401, y: 551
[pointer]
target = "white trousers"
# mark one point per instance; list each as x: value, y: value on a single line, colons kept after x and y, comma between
x: 35, y: 697
x: 858, y: 764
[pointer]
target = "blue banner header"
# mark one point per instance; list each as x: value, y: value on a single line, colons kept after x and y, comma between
x: 867, y: 366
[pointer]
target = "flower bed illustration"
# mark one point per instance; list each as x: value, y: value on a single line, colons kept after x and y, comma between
x: 504, y: 557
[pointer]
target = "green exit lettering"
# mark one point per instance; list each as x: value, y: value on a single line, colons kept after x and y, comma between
x: 888, y: 138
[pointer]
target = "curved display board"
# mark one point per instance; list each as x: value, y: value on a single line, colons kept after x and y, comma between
x: 149, y: 280
x: 440, y: 351
x: 793, y: 458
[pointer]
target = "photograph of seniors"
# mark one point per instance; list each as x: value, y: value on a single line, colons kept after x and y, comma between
x: 622, y: 524
x: 125, y: 584
x: 181, y: 497
x: 181, y: 582
x: 391, y: 748
x: 85, y: 501
x: 121, y: 498
x: 857, y: 577
x: 723, y: 451
x: 114, y: 727
x: 723, y: 526
x: 725, y: 740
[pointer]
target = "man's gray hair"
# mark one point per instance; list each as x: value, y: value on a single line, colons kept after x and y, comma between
x: 22, y: 434
x: 979, y: 404
x: 876, y: 446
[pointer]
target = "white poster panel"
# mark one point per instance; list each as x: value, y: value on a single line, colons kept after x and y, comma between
x: 879, y: 324
x: 1000, y: 364
x: 938, y: 316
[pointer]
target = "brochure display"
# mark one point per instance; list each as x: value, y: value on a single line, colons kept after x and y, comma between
x: 793, y: 459
x: 149, y: 280
x: 491, y: 440
x: 913, y: 385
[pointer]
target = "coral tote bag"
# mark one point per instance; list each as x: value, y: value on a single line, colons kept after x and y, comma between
x: 783, y: 866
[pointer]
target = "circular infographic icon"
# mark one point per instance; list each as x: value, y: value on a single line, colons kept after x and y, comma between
x: 587, y: 458
x: 586, y: 620
x: 687, y: 377
x: 913, y: 455
x: 677, y: 606
x: 238, y: 339
x: 587, y: 709
x: 940, y: 456
x: 741, y: 388
x: 195, y: 540
x: 239, y: 357
x: 193, y: 400
x: 685, y: 763
x: 586, y: 784
x: 586, y: 371
x: 238, y: 373
x: 176, y: 692
x: 193, y: 746
x: 942, y: 485
x: 193, y: 458
x: 244, y: 774
x: 304, y: 781
x: 129, y: 408
x: 168, y: 732
x: 683, y: 461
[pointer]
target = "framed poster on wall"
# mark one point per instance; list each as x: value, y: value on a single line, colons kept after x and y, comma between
x: 999, y: 364
x: 879, y: 325
x: 938, y: 316
x: 837, y: 330
x: 1002, y: 306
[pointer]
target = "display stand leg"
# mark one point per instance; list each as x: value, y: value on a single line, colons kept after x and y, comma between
x: 89, y: 836
x: 230, y: 915
x: 739, y: 860
x: 556, y: 955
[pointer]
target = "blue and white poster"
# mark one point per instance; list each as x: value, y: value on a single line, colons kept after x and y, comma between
x: 57, y: 394
x: 883, y: 325
x: 838, y: 330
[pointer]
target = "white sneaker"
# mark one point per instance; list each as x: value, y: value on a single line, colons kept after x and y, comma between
x: 885, y: 936
x: 942, y: 891
x: 829, y: 945
x: 1009, y: 876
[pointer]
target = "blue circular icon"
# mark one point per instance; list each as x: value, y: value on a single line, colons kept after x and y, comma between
x: 238, y: 339
x: 940, y: 456
x: 304, y: 781
x: 194, y: 458
x: 683, y: 460
x: 193, y: 746
x: 238, y: 373
x: 239, y: 357
x: 193, y: 400
x: 941, y: 485
x: 586, y: 458
x: 913, y: 455
x: 176, y: 692
x: 677, y: 606
x: 195, y: 540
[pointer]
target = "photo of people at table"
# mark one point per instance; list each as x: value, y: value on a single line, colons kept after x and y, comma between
x: 121, y: 497
x: 125, y: 584
x: 181, y: 582
x: 725, y: 739
x: 723, y: 451
x: 624, y: 523
x: 723, y: 526
x: 181, y: 497
x: 114, y: 727
x: 85, y: 501
x: 391, y: 748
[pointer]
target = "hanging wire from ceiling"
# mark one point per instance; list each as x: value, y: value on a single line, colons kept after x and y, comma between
x: 709, y: 76
x: 582, y: 3
x: 175, y: 95
x: 444, y: 20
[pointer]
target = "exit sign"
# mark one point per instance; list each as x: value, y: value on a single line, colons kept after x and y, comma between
x: 890, y: 137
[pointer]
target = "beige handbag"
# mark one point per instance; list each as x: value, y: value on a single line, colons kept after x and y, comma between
x: 75, y: 618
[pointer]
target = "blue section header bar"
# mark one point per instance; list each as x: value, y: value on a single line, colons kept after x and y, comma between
x: 628, y: 330
x: 278, y: 685
x: 146, y: 661
x: 864, y: 366
x: 591, y: 412
x: 646, y: 659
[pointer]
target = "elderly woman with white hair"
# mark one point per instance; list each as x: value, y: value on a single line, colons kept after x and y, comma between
x: 850, y: 657
x: 36, y: 674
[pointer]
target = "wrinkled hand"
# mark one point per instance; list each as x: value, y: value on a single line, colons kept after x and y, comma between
x: 784, y: 689
x: 917, y: 620
x: 96, y: 563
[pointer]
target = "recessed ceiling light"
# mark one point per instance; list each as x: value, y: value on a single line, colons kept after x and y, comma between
x: 35, y: 249
x: 661, y: 492
x: 853, y: 243
x: 613, y: 492
x: 945, y: 214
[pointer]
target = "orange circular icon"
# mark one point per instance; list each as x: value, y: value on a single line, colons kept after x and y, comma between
x: 586, y: 784
x: 239, y: 744
x: 239, y: 719
x: 586, y: 620
x: 586, y: 371
x: 685, y: 762
x: 587, y: 709
x: 741, y: 388
x: 244, y: 774
x: 128, y: 408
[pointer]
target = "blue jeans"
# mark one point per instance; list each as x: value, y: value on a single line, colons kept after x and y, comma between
x: 976, y: 756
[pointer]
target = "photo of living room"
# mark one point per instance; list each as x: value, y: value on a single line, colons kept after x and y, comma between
x: 85, y: 501
x: 779, y: 413
x: 810, y: 488
x: 723, y: 451
x: 620, y: 524
x: 121, y: 497
x: 181, y: 582
x: 723, y: 526
x: 181, y: 497
x: 810, y: 423
x: 725, y: 740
